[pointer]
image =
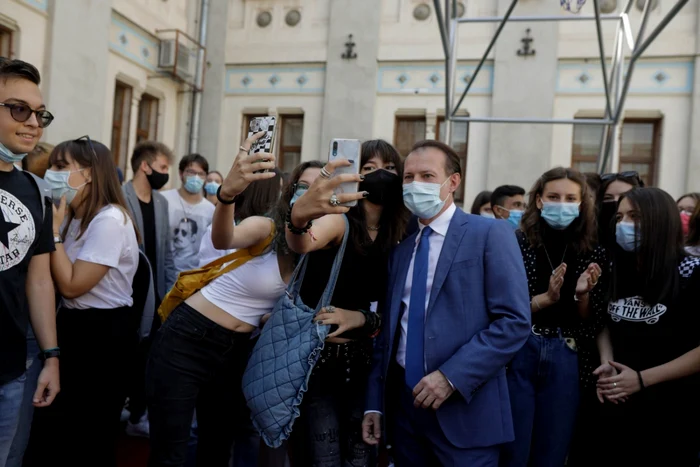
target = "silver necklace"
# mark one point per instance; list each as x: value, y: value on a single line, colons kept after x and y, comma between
x: 550, y: 261
x: 187, y: 216
x: 373, y: 229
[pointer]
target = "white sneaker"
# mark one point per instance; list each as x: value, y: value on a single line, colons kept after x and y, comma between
x: 140, y: 429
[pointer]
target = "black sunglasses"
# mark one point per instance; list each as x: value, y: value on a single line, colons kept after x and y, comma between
x: 89, y: 142
x: 22, y: 112
x: 630, y: 174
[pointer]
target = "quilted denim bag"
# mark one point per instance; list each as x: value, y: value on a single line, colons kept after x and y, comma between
x: 280, y: 366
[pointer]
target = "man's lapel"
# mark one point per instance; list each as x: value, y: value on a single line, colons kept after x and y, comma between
x: 457, y: 229
x: 404, y: 252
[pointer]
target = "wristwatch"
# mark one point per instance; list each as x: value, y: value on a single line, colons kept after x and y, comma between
x: 57, y: 239
x: 49, y: 353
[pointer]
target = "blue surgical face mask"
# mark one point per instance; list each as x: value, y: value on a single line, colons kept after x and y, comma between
x: 423, y: 199
x: 211, y: 188
x: 627, y: 236
x: 193, y: 184
x: 298, y: 193
x: 559, y: 216
x: 488, y: 215
x: 58, y: 181
x: 515, y: 216
x: 10, y: 157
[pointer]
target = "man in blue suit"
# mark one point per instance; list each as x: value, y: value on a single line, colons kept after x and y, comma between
x: 457, y: 311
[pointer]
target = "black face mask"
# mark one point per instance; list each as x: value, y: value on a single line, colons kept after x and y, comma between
x: 384, y: 187
x: 608, y: 210
x: 157, y: 180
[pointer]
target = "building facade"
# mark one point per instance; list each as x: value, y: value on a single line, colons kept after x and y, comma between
x: 364, y: 69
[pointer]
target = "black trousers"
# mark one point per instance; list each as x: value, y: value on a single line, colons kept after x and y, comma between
x: 137, y: 388
x: 328, y: 432
x: 195, y: 363
x: 81, y: 427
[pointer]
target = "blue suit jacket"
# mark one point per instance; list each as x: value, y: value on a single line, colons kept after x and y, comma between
x: 477, y: 318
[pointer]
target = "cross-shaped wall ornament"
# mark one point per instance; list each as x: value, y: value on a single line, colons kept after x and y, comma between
x: 349, y: 46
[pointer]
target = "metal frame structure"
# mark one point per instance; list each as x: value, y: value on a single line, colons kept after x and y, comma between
x: 616, y: 81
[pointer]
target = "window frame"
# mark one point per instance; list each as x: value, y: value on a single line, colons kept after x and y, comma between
x: 153, y: 115
x: 11, y: 40
x: 407, y: 118
x: 655, y: 152
x: 281, y: 149
x: 459, y: 194
x: 123, y: 126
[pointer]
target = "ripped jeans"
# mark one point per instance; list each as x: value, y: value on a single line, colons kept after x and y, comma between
x: 328, y: 432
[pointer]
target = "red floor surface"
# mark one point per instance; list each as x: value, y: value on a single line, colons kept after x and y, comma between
x: 132, y: 452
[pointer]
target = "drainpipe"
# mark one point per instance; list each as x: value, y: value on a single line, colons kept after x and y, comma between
x: 198, y: 78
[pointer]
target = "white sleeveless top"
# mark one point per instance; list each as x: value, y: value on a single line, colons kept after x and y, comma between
x: 249, y: 291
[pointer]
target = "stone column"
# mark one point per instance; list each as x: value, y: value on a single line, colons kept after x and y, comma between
x: 76, y: 76
x: 213, y: 125
x: 523, y: 87
x: 348, y: 110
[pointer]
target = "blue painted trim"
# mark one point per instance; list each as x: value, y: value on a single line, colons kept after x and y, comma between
x: 659, y: 88
x: 142, y: 34
x: 131, y: 56
x: 461, y: 71
x: 238, y: 73
x: 42, y: 5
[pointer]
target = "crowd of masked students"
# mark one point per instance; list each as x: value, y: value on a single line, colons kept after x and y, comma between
x: 533, y: 331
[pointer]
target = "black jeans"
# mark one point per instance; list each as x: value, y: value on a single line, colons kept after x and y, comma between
x: 328, y: 432
x: 195, y: 363
x: 137, y: 383
x: 81, y: 427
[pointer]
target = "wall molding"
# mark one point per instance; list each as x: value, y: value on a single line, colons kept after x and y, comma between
x: 650, y: 77
x: 275, y: 79
x: 133, y: 42
x: 396, y: 78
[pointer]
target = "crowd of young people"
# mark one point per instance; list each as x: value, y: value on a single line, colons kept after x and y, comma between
x: 525, y: 333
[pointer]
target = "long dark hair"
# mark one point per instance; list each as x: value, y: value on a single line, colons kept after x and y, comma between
x: 259, y: 198
x: 279, y: 214
x: 660, y: 248
x: 104, y: 188
x: 482, y: 198
x: 394, y: 216
x: 584, y: 227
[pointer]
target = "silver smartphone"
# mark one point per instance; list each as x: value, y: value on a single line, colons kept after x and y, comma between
x: 346, y: 149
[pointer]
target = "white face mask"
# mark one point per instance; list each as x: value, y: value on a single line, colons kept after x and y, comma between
x: 488, y: 215
x: 423, y: 199
x: 58, y: 181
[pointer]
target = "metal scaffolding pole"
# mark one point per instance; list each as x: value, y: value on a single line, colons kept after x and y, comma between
x: 616, y: 84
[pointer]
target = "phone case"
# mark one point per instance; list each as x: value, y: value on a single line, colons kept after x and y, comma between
x: 346, y: 149
x: 265, y: 143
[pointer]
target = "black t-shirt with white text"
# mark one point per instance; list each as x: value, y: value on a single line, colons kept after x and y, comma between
x: 646, y: 335
x: 24, y: 233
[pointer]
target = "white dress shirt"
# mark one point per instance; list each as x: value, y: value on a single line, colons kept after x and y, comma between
x: 436, y: 240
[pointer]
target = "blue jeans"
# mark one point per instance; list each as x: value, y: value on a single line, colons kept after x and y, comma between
x: 10, y: 408
x: 543, y: 383
x: 34, y: 367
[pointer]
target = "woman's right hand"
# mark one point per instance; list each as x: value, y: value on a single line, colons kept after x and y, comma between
x: 316, y: 202
x: 555, y: 283
x: 243, y: 171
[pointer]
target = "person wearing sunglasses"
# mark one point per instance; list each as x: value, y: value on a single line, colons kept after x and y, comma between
x: 94, y: 265
x: 26, y: 288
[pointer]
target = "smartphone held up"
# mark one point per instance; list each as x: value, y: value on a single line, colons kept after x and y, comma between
x: 266, y: 142
x: 348, y: 149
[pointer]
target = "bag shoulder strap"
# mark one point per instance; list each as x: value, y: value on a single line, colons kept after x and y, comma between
x: 298, y: 276
x: 238, y: 258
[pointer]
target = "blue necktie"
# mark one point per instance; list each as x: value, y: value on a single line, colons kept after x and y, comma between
x: 415, y: 366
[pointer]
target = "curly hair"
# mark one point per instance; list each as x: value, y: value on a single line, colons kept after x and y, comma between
x: 584, y: 228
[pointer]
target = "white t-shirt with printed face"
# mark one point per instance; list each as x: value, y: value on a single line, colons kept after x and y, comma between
x: 109, y: 240
x: 188, y: 223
